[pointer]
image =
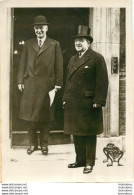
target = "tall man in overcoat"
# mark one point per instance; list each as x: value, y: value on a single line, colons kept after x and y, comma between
x: 85, y: 94
x: 40, y: 73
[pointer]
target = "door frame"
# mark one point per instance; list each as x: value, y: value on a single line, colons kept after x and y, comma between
x: 20, y: 138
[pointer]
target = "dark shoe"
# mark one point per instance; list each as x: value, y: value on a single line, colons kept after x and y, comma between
x: 87, y: 169
x: 44, y: 150
x: 75, y: 165
x: 31, y: 149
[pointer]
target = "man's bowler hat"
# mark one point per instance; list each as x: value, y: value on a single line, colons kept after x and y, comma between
x: 84, y: 31
x: 40, y: 20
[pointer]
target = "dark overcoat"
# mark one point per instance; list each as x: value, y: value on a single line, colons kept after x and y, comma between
x: 86, y: 83
x: 40, y: 69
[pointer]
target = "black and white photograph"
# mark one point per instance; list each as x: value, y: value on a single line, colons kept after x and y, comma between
x: 66, y: 85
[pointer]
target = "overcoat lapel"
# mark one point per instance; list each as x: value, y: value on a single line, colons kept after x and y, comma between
x: 46, y: 44
x: 78, y: 62
x: 34, y: 44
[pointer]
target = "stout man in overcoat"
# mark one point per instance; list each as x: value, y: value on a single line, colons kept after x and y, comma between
x: 85, y: 94
x: 40, y: 72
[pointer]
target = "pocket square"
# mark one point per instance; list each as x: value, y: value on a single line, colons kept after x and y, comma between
x: 86, y: 67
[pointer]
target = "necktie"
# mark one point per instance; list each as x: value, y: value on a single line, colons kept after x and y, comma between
x: 79, y: 54
x: 40, y: 43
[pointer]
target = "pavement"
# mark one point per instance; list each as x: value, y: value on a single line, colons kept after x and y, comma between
x: 20, y: 167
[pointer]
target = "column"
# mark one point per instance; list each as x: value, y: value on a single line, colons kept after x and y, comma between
x: 5, y: 36
x: 105, y: 29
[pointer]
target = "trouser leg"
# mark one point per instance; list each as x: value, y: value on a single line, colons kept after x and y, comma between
x: 32, y: 134
x: 44, y: 133
x: 80, y: 149
x: 90, y: 150
x: 45, y: 122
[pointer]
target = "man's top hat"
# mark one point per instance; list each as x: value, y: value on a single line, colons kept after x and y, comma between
x: 84, y: 31
x: 40, y: 20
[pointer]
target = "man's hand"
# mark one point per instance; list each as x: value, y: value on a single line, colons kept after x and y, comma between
x: 96, y: 105
x: 57, y: 88
x: 21, y: 87
x: 63, y: 105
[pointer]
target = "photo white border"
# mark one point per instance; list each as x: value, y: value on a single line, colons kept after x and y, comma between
x: 5, y: 69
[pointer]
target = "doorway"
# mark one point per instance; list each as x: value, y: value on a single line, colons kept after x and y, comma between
x: 63, y: 23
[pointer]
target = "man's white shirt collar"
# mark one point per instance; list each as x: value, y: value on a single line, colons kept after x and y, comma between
x: 82, y: 53
x: 42, y: 40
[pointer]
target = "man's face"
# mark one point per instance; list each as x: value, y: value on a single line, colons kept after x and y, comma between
x: 81, y: 44
x: 40, y: 31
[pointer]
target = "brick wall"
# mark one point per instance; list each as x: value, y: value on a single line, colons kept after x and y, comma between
x: 122, y: 73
